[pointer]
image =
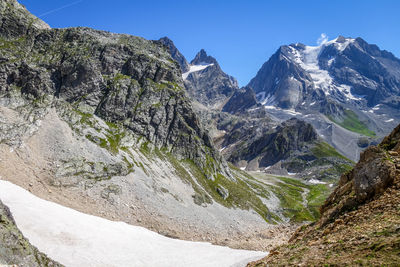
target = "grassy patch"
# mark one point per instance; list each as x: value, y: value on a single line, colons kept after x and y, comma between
x: 352, y: 123
x: 323, y: 149
x: 316, y: 197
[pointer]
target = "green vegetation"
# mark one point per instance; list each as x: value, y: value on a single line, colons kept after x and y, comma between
x: 323, y: 149
x: 316, y: 197
x: 352, y: 123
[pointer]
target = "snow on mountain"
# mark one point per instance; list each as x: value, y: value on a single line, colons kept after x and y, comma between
x: 308, y: 60
x: 77, y: 239
x: 194, y: 68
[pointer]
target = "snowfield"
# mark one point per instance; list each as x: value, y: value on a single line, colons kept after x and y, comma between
x: 77, y: 239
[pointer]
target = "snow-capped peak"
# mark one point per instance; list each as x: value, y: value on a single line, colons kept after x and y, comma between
x: 307, y: 58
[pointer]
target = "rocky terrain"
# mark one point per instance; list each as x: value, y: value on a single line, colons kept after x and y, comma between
x: 359, y: 221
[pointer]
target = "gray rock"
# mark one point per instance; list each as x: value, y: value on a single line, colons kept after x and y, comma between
x: 175, y: 53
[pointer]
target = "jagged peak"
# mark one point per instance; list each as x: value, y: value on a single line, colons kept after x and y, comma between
x: 202, y: 58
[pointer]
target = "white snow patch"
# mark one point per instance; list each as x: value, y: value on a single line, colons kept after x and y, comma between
x: 312, y: 104
x: 242, y: 168
x: 331, y: 185
x: 270, y: 107
x: 389, y: 120
x: 194, y: 68
x: 267, y: 168
x: 292, y: 173
x: 77, y: 239
x: 315, y: 181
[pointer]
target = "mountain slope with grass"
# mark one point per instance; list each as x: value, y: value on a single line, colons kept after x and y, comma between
x: 359, y: 222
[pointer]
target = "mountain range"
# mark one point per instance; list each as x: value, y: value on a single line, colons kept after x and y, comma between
x: 127, y: 129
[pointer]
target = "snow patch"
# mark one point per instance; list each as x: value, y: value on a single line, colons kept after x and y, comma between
x: 194, y: 68
x: 77, y: 239
x: 389, y: 120
x: 315, y: 181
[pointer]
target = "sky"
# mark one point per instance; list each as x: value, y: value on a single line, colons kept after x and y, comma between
x: 240, y: 34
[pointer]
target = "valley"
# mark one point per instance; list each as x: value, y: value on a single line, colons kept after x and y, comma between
x: 126, y: 135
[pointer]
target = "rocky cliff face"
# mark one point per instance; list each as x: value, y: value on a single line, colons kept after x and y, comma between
x: 359, y: 220
x: 241, y: 100
x: 122, y: 79
x: 15, y: 249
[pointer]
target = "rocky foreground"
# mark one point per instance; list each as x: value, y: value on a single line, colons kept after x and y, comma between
x: 360, y: 219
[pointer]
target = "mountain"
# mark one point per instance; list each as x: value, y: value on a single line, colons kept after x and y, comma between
x: 242, y: 129
x: 346, y: 88
x: 206, y: 83
x: 359, y: 220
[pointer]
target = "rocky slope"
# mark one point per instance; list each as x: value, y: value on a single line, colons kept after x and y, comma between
x: 15, y: 249
x: 346, y: 88
x: 359, y: 221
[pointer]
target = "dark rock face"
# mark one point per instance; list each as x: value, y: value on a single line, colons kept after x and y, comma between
x: 15, y: 248
x: 120, y: 78
x: 277, y: 145
x: 210, y: 86
x: 241, y: 100
x: 175, y: 53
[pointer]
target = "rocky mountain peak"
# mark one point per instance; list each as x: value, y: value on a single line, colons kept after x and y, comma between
x: 202, y: 59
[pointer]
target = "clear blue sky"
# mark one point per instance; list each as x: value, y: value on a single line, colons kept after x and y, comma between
x: 240, y: 34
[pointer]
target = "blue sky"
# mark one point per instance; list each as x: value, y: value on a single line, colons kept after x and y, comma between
x: 240, y: 34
